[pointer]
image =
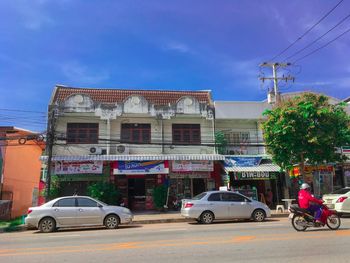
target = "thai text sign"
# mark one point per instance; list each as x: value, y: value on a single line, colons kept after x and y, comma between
x: 242, y: 161
x: 192, y: 166
x: 141, y: 167
x: 86, y: 167
x: 255, y: 176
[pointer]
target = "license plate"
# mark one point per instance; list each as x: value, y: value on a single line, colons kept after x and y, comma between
x: 291, y: 215
x: 329, y: 201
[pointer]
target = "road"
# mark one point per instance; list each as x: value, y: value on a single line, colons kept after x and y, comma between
x: 271, y: 241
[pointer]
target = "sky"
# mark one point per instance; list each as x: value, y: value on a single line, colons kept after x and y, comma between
x: 212, y: 45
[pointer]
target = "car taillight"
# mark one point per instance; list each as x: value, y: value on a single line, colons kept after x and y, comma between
x: 188, y: 205
x: 29, y: 211
x: 341, y: 199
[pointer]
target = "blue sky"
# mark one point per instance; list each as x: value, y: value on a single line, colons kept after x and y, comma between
x: 180, y: 45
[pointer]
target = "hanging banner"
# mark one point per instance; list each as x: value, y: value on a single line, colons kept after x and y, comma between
x: 141, y: 167
x: 86, y: 167
x: 192, y: 166
x: 242, y: 161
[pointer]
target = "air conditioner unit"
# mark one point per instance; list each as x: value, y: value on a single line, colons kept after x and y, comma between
x: 122, y: 149
x: 97, y: 150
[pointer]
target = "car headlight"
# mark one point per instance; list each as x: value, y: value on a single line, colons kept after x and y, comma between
x: 126, y: 211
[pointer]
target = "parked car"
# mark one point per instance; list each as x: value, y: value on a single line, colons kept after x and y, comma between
x: 73, y: 211
x: 209, y: 206
x: 338, y: 200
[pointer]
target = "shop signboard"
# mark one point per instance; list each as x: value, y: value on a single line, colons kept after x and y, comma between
x: 257, y: 175
x: 141, y: 167
x: 193, y: 166
x: 86, y: 167
x: 192, y: 176
x: 242, y: 161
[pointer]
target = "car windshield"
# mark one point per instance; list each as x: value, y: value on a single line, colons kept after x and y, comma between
x: 200, y: 196
x: 341, y: 191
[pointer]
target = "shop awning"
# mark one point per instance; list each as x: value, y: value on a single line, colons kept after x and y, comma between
x: 257, y: 168
x: 146, y: 157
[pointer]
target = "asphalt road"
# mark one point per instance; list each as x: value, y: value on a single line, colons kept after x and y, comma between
x: 270, y: 241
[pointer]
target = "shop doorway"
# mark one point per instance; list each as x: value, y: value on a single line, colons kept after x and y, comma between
x: 198, y: 186
x: 136, y: 193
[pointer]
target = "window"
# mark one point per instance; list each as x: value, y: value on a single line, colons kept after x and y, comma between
x: 200, y: 196
x: 186, y: 134
x: 82, y: 133
x: 237, y: 137
x: 231, y: 197
x: 85, y: 202
x: 214, y: 197
x: 66, y: 202
x: 136, y: 133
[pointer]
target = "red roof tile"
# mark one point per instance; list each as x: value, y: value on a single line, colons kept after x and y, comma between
x: 156, y: 97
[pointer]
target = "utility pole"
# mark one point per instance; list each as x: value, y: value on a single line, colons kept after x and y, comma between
x: 275, y: 78
x: 50, y: 139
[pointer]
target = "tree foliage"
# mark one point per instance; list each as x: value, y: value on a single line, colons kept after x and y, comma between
x: 306, y: 128
x: 221, y: 142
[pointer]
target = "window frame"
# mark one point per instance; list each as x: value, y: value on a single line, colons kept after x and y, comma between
x: 84, y: 198
x: 57, y: 202
x: 186, y: 130
x: 83, y: 133
x: 144, y: 133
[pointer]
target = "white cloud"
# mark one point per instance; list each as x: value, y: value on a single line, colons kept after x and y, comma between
x: 177, y: 46
x: 77, y: 72
x: 35, y: 15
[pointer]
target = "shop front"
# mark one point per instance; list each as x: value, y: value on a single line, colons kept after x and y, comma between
x: 320, y: 178
x: 136, y: 180
x: 189, y: 178
x: 346, y: 172
x: 255, y: 177
x: 74, y: 177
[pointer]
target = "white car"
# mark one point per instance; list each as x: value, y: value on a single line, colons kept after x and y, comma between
x: 339, y: 200
x: 73, y: 211
x: 211, y: 205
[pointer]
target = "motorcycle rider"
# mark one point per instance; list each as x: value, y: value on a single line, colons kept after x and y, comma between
x: 309, y: 202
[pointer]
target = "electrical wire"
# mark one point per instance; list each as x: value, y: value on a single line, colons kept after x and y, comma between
x: 317, y: 39
x: 323, y: 46
x: 307, y: 31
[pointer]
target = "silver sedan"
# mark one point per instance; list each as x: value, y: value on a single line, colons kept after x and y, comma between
x: 211, y: 205
x: 73, y: 211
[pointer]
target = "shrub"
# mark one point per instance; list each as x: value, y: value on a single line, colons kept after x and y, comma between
x: 159, y: 196
x: 105, y: 192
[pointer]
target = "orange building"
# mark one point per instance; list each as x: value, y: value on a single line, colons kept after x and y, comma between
x: 20, y: 168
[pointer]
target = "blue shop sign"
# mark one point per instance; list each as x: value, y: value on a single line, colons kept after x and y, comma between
x: 242, y: 161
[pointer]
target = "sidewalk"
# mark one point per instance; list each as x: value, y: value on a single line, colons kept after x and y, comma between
x: 149, y: 218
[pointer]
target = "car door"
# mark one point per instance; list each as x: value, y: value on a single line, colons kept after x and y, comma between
x: 89, y: 212
x: 65, y: 211
x: 239, y: 206
x: 217, y: 206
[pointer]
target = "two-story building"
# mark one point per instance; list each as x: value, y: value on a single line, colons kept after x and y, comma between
x: 134, y: 138
x: 247, y: 167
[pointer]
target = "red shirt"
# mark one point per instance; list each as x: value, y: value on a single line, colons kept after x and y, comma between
x: 305, y: 198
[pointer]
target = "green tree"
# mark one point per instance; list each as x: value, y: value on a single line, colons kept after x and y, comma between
x: 105, y: 192
x: 220, y: 142
x: 306, y: 128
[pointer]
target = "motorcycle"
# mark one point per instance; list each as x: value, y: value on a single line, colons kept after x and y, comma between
x: 302, y: 218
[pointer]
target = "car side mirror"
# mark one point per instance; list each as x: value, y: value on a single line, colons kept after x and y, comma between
x: 100, y: 206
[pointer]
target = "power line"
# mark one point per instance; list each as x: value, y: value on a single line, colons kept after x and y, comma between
x: 314, y: 51
x: 307, y: 31
x: 317, y: 39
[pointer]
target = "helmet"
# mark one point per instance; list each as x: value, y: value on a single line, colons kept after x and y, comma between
x: 305, y: 186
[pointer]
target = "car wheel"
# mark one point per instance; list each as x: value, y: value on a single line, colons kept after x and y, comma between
x: 258, y: 215
x: 111, y: 222
x: 47, y: 225
x: 207, y: 217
